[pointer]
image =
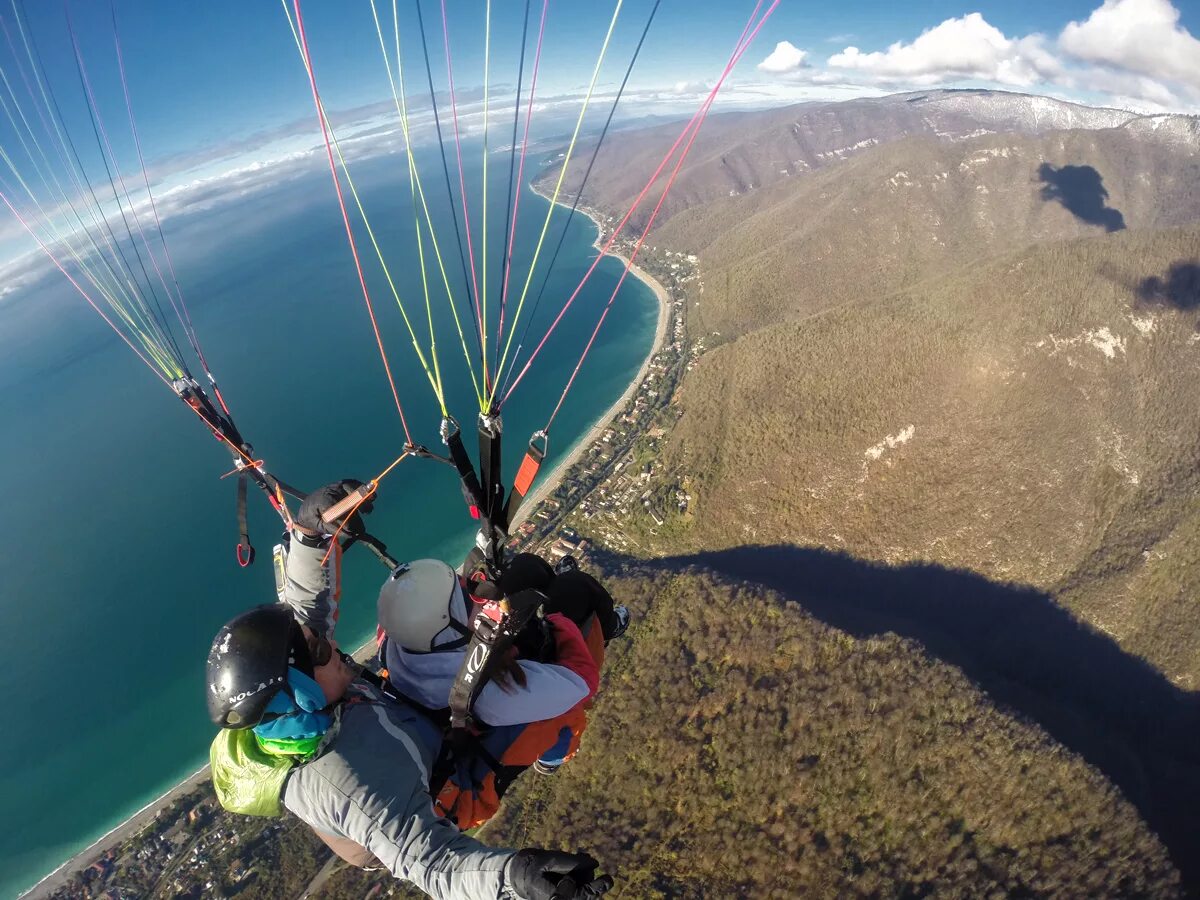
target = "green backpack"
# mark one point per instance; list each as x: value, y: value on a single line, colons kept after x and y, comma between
x: 247, y: 779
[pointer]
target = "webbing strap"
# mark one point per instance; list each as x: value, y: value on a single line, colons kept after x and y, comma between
x: 490, y: 435
x: 374, y: 544
x: 495, y: 628
x: 245, y: 550
x: 526, y: 474
x: 472, y: 490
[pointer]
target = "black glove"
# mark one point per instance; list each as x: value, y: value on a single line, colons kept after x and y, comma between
x: 316, y: 503
x: 555, y: 875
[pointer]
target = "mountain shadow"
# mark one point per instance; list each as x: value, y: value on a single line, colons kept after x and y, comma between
x: 1080, y: 191
x: 1180, y: 287
x: 1027, y: 652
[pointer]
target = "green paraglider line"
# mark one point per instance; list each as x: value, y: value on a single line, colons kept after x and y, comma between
x: 693, y: 127
x: 103, y: 144
x: 578, y: 196
x: 437, y: 122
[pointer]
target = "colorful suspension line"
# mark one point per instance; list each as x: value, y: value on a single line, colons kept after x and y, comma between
x: 510, y: 226
x: 105, y: 151
x: 163, y: 376
x: 126, y: 302
x: 334, y: 145
x: 47, y: 111
x: 462, y: 191
x: 182, y: 311
x: 483, y: 261
x: 692, y: 128
x: 418, y: 193
x: 472, y: 302
x: 125, y: 309
x: 302, y: 43
x: 538, y: 444
x: 557, y: 188
x: 574, y: 205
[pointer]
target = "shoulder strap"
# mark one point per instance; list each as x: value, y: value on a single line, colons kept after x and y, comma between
x: 496, y: 626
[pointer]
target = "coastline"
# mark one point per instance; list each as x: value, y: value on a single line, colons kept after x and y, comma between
x: 60, y: 876
x: 547, y: 484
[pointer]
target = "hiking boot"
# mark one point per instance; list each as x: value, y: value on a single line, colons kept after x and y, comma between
x: 547, y: 768
x: 622, y: 614
x: 567, y: 564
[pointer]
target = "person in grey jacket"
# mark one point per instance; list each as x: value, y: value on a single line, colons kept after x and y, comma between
x: 360, y: 763
x: 308, y: 565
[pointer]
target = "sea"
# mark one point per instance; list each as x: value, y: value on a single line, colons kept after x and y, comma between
x: 118, y: 561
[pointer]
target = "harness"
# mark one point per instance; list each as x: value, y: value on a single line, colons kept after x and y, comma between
x: 247, y: 468
x: 494, y: 631
x: 484, y: 490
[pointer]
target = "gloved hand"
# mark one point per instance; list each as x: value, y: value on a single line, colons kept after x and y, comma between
x: 554, y: 875
x: 316, y: 503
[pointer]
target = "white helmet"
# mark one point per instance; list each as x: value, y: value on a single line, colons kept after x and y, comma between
x: 419, y: 601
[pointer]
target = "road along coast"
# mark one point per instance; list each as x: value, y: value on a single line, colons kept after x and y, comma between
x: 551, y: 481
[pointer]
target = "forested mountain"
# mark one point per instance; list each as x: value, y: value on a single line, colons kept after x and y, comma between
x: 945, y: 407
x: 740, y: 153
x: 744, y: 748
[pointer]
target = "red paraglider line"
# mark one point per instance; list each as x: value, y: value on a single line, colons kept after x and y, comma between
x: 512, y: 233
x: 312, y: 80
x: 650, y: 223
x: 743, y: 43
x: 462, y: 184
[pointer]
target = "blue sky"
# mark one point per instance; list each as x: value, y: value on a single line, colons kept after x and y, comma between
x: 218, y: 87
x: 203, y: 73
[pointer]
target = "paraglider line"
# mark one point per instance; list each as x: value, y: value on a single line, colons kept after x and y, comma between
x: 511, y: 225
x: 103, y: 144
x: 346, y: 217
x: 462, y: 191
x: 693, y: 127
x: 185, y: 318
x: 578, y: 196
x: 437, y: 122
x: 75, y: 284
x: 558, y: 185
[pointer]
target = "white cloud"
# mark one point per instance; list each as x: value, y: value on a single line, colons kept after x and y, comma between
x: 786, y: 57
x: 1141, y: 36
x: 957, y: 49
x: 692, y: 87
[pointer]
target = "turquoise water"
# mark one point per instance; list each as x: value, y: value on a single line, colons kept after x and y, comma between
x: 118, y: 555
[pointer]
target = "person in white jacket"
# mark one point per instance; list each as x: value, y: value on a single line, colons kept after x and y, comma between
x: 425, y: 611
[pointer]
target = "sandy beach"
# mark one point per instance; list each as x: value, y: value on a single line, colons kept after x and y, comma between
x: 546, y: 484
x: 122, y: 832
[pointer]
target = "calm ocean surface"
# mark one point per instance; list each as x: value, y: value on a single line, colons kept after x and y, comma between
x: 118, y: 558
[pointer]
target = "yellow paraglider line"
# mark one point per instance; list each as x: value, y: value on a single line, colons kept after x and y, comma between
x: 398, y: 96
x: 487, y: 52
x: 433, y: 383
x: 554, y: 199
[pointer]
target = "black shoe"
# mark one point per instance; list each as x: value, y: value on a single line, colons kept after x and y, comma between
x: 622, y: 615
x: 567, y: 564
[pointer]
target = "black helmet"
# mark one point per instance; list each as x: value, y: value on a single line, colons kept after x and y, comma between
x: 248, y: 664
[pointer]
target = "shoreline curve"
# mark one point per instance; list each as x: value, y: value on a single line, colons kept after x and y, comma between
x: 62, y: 874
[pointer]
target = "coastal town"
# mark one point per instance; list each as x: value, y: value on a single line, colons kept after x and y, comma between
x: 613, y: 492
